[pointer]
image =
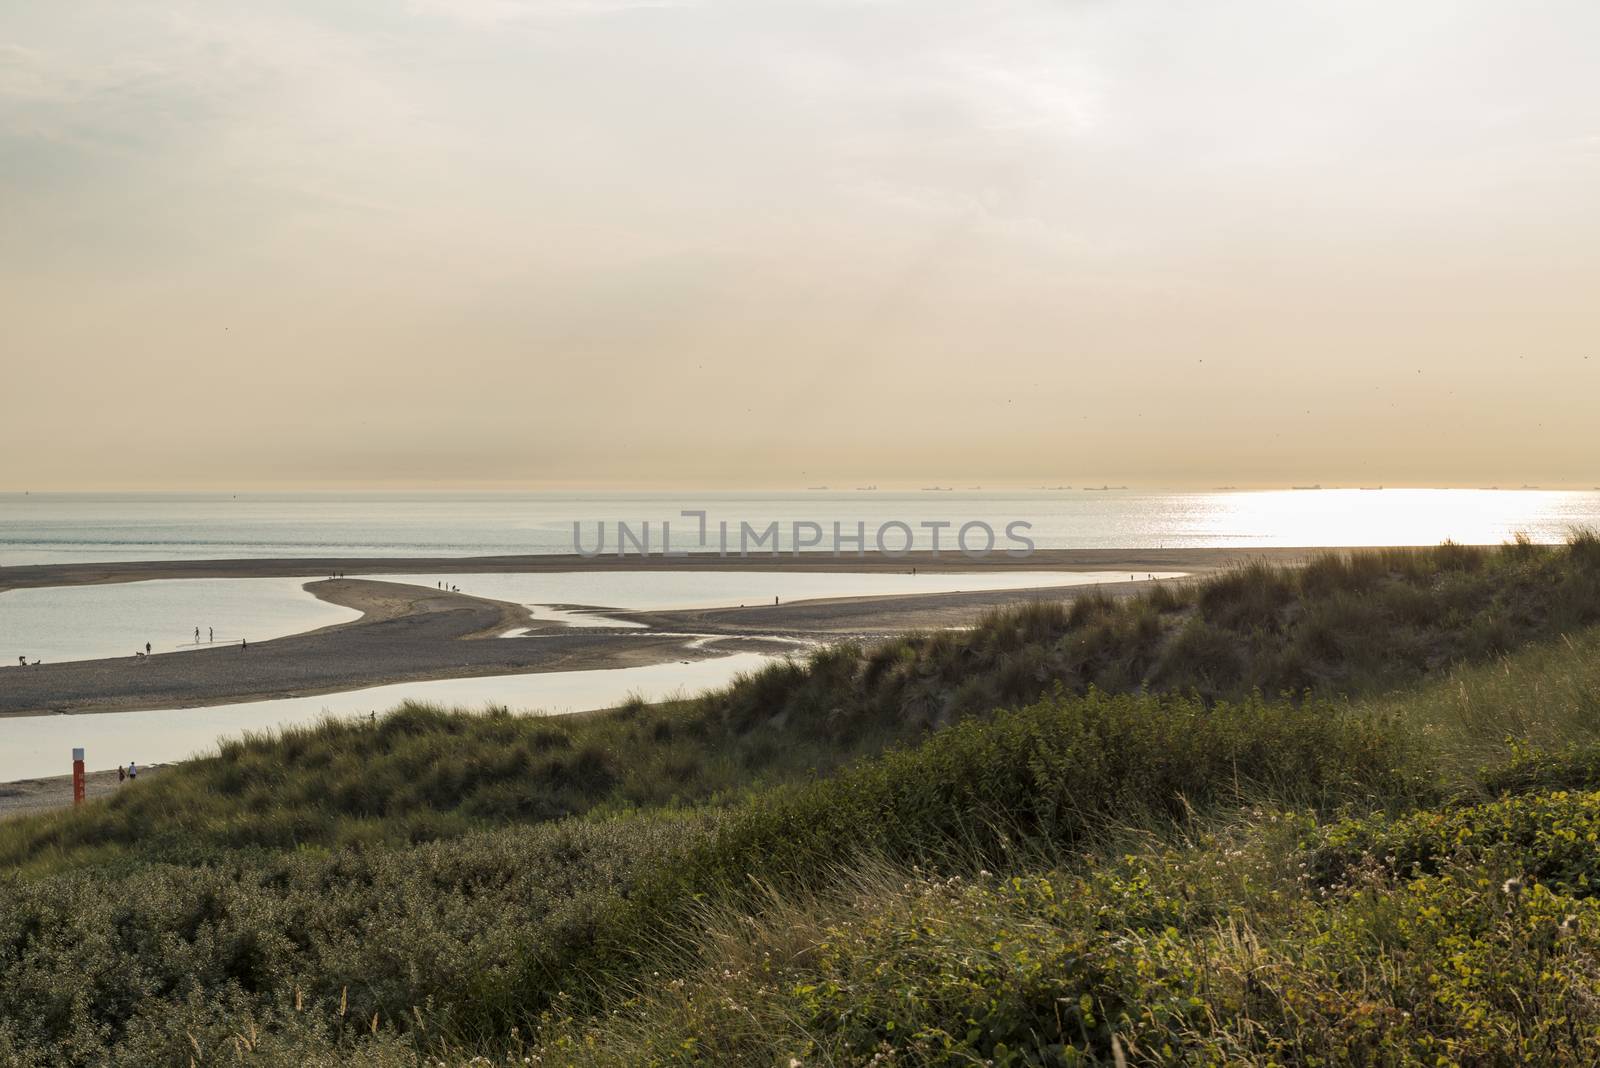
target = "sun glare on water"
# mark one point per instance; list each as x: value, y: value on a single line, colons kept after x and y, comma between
x: 1354, y: 517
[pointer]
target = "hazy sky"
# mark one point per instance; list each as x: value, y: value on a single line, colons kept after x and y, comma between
x: 750, y: 243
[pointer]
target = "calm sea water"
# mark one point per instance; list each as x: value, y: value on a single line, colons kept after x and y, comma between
x: 32, y: 746
x: 44, y: 528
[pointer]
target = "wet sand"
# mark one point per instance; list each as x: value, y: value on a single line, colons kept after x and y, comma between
x: 1131, y: 560
x: 405, y: 634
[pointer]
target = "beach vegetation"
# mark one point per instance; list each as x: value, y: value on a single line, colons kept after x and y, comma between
x: 1083, y: 833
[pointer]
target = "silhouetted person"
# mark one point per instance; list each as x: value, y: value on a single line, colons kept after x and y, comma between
x: 211, y: 634
x: 122, y: 773
x: 146, y: 648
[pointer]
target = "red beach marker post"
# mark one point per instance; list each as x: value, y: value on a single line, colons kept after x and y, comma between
x: 77, y: 776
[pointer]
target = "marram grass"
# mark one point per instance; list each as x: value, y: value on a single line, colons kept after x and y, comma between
x: 1343, y: 815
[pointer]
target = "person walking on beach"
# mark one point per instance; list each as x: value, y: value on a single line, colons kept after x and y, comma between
x: 146, y: 648
x: 211, y: 634
x: 243, y: 644
x: 133, y: 770
x: 197, y: 635
x: 122, y: 773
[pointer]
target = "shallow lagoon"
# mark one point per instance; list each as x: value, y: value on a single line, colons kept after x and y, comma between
x: 36, y: 746
x: 62, y: 623
x: 88, y: 622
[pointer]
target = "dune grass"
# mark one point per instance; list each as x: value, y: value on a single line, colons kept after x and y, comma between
x: 1214, y: 950
x: 478, y: 936
x: 1345, y: 624
x: 1437, y: 905
x: 801, y: 866
x: 552, y: 940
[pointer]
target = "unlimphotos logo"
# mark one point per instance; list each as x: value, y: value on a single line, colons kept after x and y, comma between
x: 974, y: 539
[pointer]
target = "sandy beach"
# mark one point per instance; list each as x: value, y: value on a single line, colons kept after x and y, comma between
x: 28, y: 796
x: 405, y: 633
x: 1192, y: 560
x: 409, y: 633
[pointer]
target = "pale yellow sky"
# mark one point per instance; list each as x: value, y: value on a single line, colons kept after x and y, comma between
x: 603, y: 242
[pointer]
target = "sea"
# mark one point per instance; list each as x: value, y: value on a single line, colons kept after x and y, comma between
x: 63, y: 528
